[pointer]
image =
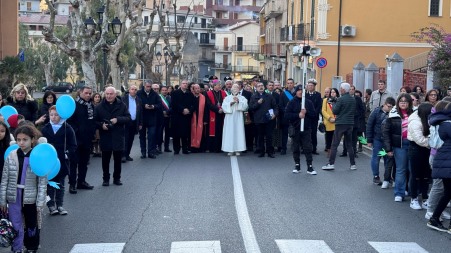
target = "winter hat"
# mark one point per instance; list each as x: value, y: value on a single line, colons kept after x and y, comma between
x: 298, y: 87
x: 13, y: 120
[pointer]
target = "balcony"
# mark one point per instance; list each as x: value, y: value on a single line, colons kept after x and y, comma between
x: 245, y: 48
x: 206, y: 42
x: 273, y: 50
x: 273, y: 9
x: 245, y: 69
x: 222, y: 66
x: 223, y: 49
x: 297, y: 32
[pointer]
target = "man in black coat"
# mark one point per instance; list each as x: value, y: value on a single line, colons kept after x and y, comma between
x: 166, y: 129
x: 294, y: 114
x: 111, y: 117
x: 285, y: 97
x: 134, y: 107
x: 359, y: 113
x: 82, y: 121
x: 265, y: 110
x: 249, y: 126
x: 317, y: 101
x: 151, y: 106
x: 182, y: 111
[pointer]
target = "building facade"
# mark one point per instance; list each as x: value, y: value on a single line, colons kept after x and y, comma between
x: 347, y: 32
x: 29, y: 6
x: 9, y: 29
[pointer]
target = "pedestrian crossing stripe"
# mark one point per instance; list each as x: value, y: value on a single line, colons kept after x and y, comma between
x: 196, y: 247
x: 303, y: 246
x: 285, y: 246
x: 98, y: 248
x: 397, y: 247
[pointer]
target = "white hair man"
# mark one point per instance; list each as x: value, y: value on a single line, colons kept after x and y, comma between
x: 344, y: 110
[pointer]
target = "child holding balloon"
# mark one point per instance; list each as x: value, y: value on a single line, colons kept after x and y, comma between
x: 61, y: 135
x: 23, y: 190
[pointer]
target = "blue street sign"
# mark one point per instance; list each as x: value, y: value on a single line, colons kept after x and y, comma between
x: 321, y: 62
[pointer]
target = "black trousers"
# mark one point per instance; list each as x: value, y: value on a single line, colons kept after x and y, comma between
x: 340, y: 131
x: 130, y: 132
x: 80, y: 165
x: 302, y: 139
x: 249, y: 132
x: 264, y: 132
x: 106, y: 157
x: 181, y: 130
x: 167, y: 132
x: 313, y: 133
x: 355, y: 131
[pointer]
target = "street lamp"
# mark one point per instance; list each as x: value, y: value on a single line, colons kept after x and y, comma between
x: 167, y: 58
x: 115, y: 26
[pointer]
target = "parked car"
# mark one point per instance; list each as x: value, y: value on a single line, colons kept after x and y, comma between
x: 59, y: 87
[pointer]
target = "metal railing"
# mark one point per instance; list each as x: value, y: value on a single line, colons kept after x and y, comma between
x: 297, y: 32
x: 252, y: 69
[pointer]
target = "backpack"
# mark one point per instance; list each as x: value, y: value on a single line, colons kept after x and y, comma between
x: 434, y: 138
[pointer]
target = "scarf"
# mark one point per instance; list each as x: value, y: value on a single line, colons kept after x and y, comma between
x: 88, y: 106
x: 57, y: 126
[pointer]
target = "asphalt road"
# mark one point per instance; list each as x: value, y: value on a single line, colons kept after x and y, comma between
x: 193, y: 198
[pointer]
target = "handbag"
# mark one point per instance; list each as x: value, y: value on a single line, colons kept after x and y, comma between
x: 7, y: 231
x: 321, y: 127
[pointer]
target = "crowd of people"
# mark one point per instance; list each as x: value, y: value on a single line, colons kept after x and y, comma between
x: 411, y: 132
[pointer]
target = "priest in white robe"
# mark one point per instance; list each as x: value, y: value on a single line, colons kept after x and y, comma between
x: 233, y: 138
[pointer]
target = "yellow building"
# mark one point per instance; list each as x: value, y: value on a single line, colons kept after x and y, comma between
x: 353, y: 31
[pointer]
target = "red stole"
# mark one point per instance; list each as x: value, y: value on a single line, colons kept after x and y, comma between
x: 211, y: 96
x: 197, y: 123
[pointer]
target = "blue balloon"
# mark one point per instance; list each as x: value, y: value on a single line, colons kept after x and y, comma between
x: 10, y: 148
x: 43, y: 158
x: 65, y: 106
x: 54, y: 171
x: 6, y: 111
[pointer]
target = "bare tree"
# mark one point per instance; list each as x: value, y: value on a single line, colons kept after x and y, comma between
x: 83, y: 43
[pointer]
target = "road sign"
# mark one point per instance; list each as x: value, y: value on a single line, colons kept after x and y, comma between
x: 321, y: 62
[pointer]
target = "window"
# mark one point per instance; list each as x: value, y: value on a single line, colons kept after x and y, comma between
x: 195, y: 35
x: 146, y: 20
x: 213, y: 36
x: 180, y: 19
x: 435, y: 8
x: 218, y: 14
x: 28, y: 6
x: 195, y: 20
x: 204, y: 53
x: 237, y: 3
x: 204, y: 38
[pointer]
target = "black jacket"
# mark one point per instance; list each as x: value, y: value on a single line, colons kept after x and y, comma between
x: 283, y: 102
x: 392, y: 131
x: 441, y: 167
x: 84, y: 126
x: 317, y: 101
x: 64, y: 136
x: 139, y: 109
x: 294, y: 108
x: 150, y: 116
x: 374, y: 126
x: 45, y: 111
x: 112, y: 139
x: 180, y: 101
x: 261, y: 110
x: 29, y: 109
x: 359, y: 115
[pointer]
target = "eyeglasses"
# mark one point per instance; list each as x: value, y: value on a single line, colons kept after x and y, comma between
x: 433, y: 95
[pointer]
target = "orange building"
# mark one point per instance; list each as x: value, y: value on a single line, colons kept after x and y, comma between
x: 352, y: 31
x: 9, y: 28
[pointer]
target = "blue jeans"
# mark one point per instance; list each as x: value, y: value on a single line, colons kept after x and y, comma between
x: 375, y: 160
x: 402, y: 166
x: 151, y: 133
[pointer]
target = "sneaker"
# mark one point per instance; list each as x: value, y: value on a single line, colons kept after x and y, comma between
x: 376, y: 180
x: 237, y: 153
x: 230, y: 154
x: 398, y: 199
x: 53, y: 211
x: 311, y: 171
x: 353, y: 167
x: 446, y: 215
x: 328, y: 167
x: 297, y: 169
x: 385, y: 185
x: 414, y: 204
x: 424, y: 205
x: 62, y: 211
x: 428, y: 215
x: 434, y: 223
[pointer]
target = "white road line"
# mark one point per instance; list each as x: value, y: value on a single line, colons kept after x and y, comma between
x: 98, y: 248
x: 303, y: 246
x: 196, y: 247
x: 397, y: 247
x: 250, y: 241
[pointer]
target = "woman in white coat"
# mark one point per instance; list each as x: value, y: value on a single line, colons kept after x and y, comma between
x: 233, y: 138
